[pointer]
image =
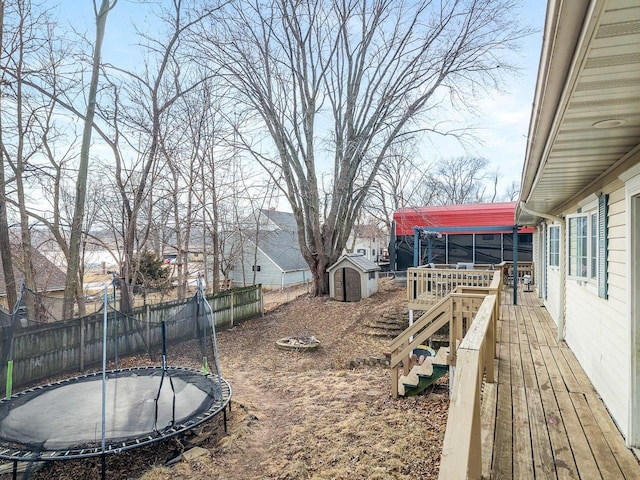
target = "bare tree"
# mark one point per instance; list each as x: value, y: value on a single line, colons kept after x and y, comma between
x: 399, y: 183
x: 144, y: 102
x: 512, y: 192
x: 368, y: 72
x: 5, y: 251
x: 461, y: 180
x: 71, y: 290
x: 24, y: 54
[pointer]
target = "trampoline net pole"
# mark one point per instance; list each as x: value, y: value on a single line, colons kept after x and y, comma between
x: 9, y: 378
x: 210, y: 319
x: 12, y: 325
x: 104, y: 370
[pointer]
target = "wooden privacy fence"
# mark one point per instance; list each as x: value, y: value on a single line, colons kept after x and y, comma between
x: 46, y: 350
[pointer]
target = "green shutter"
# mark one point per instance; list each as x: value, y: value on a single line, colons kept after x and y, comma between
x: 603, y: 210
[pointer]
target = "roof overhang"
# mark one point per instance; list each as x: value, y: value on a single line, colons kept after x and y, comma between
x: 585, y: 122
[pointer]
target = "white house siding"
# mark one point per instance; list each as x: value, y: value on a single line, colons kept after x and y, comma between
x: 553, y: 300
x: 296, y: 277
x: 554, y: 291
x: 270, y: 276
x: 597, y: 329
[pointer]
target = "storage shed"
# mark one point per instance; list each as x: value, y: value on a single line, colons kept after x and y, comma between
x: 352, y: 278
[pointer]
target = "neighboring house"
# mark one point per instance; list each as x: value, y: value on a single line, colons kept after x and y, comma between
x: 352, y: 278
x: 269, y: 253
x: 581, y: 191
x: 369, y: 240
x: 460, y: 236
x: 50, y: 281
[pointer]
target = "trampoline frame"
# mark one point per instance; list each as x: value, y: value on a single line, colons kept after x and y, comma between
x: 13, y: 452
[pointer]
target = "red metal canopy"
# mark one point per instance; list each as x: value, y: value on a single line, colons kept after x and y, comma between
x: 469, y: 215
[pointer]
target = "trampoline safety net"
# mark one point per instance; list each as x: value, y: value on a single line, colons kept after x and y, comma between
x: 147, y: 396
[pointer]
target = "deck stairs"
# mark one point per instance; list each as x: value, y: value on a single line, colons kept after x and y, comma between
x: 422, y: 376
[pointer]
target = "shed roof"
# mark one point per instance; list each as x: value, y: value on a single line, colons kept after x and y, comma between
x: 358, y: 260
x: 467, y: 215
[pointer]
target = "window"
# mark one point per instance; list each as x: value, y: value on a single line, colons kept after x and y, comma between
x: 593, y: 252
x: 578, y: 239
x: 372, y: 275
x: 554, y: 246
x: 255, y: 268
x: 587, y: 245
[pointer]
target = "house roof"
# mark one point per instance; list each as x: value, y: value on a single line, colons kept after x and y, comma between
x: 277, y: 238
x: 585, y: 122
x: 358, y: 260
x: 282, y: 220
x: 468, y: 215
x: 49, y: 278
x: 282, y: 247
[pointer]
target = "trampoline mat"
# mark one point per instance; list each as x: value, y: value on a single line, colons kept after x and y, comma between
x: 68, y: 414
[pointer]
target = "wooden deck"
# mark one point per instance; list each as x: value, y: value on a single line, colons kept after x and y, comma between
x: 543, y: 419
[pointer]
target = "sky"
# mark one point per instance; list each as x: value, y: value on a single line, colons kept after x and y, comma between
x: 502, y: 119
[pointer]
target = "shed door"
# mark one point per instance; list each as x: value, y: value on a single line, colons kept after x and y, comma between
x: 352, y: 288
x: 338, y: 284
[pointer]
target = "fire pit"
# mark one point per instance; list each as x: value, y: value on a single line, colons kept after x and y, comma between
x: 298, y: 343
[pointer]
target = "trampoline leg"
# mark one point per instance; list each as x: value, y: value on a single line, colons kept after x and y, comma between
x: 104, y: 467
x: 15, y: 470
x: 224, y: 414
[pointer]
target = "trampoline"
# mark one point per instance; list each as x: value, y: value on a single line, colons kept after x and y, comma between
x: 112, y: 411
x: 62, y: 420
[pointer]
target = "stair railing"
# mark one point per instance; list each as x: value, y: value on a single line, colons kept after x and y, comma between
x: 457, y: 310
x: 404, y: 344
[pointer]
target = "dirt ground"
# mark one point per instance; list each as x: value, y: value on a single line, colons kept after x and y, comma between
x: 302, y: 415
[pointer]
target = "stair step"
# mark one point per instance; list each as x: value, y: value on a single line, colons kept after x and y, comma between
x: 422, y: 376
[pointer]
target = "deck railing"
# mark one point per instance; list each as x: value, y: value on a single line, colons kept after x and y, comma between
x: 457, y: 310
x: 428, y: 285
x: 472, y: 315
x: 462, y: 449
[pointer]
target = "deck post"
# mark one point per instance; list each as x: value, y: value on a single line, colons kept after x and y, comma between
x: 489, y: 352
x: 394, y: 382
x: 515, y: 265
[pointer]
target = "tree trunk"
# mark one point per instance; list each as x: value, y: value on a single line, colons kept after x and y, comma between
x: 73, y: 265
x: 5, y: 245
x: 320, y: 277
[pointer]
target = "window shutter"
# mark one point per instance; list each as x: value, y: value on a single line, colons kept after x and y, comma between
x: 603, y: 210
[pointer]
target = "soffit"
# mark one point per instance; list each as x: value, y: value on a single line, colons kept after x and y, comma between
x: 606, y: 87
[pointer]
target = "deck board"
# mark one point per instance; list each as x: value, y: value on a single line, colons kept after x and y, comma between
x: 502, y: 445
x: 540, y: 442
x: 543, y: 418
x: 522, y: 453
x: 601, y: 452
x: 625, y: 459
